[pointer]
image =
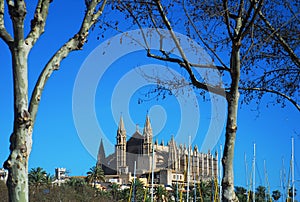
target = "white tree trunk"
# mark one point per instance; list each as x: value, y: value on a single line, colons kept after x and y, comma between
x: 231, y: 127
x: 20, y: 140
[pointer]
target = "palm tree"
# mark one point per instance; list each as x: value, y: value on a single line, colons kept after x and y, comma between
x: 290, y: 194
x: 160, y: 193
x: 76, y: 182
x: 115, y: 190
x: 138, y: 190
x: 37, y: 177
x: 241, y: 193
x: 124, y: 195
x: 95, y: 175
x: 260, y: 193
x: 276, y: 195
x: 205, y: 189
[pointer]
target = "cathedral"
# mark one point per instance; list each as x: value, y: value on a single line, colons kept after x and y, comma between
x: 169, y: 163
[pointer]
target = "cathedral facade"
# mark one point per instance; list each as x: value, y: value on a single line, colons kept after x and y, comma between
x: 140, y: 155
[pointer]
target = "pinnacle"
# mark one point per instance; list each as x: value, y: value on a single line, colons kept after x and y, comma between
x: 121, y: 127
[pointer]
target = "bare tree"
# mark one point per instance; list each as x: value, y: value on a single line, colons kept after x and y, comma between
x: 25, y: 111
x: 236, y: 34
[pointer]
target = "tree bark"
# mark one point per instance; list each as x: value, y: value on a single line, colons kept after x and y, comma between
x: 231, y: 126
x: 25, y: 113
x: 20, y: 140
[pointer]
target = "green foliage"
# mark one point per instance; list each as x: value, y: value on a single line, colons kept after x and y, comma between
x: 276, y: 195
x: 95, y: 175
x: 204, y: 189
x: 260, y: 194
x: 291, y: 192
x: 161, y: 193
x: 37, y: 177
x: 115, y: 191
x: 138, y: 190
x: 124, y: 195
x: 75, y: 189
x: 241, y: 193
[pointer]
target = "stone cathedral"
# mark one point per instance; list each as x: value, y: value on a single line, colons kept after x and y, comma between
x: 169, y: 162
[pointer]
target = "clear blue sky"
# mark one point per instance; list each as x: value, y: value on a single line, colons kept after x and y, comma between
x: 56, y: 137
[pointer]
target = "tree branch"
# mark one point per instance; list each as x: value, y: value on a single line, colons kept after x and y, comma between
x: 285, y: 45
x: 38, y: 22
x: 202, y: 40
x: 214, y: 89
x: 256, y: 11
x: 182, y: 64
x: 17, y: 12
x: 291, y: 100
x: 226, y: 16
x: 5, y: 36
x: 75, y: 43
x: 139, y: 25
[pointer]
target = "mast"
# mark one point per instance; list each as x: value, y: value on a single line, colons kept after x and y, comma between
x: 133, y: 194
x: 253, y: 188
x: 152, y: 177
x: 220, y: 174
x: 246, y: 169
x: 176, y: 186
x: 188, y: 171
x: 212, y: 179
x: 195, y: 191
x: 293, y: 172
x: 267, y: 180
x: 283, y: 179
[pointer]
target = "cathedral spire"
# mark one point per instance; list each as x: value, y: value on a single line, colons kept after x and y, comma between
x: 120, y: 148
x: 121, y: 133
x: 147, y: 127
x: 147, y: 133
x: 121, y: 127
x: 101, y: 154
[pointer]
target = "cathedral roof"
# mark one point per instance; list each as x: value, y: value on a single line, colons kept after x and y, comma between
x: 135, y: 142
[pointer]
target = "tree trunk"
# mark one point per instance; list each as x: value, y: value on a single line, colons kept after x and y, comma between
x: 20, y: 140
x: 231, y: 126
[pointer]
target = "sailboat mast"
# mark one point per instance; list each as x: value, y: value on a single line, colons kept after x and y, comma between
x: 254, y: 159
x: 188, y: 171
x: 220, y: 173
x: 134, y: 176
x: 152, y: 174
x: 293, y: 172
x: 195, y: 191
x: 283, y: 179
x: 246, y: 169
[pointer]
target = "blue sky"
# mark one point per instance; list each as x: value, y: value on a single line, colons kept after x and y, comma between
x: 57, y: 137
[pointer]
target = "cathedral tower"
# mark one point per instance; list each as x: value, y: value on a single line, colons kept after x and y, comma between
x: 101, y: 158
x: 172, y: 161
x: 147, y: 133
x: 121, y: 148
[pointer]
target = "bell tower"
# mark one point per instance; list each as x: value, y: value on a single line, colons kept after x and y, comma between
x: 147, y: 133
x: 121, y: 148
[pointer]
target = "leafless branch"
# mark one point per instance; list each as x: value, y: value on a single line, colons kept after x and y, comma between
x: 139, y: 25
x: 75, y: 43
x: 291, y: 100
x: 38, y: 22
x: 5, y: 36
x: 17, y: 12
x: 226, y: 17
x: 214, y: 89
x: 247, y: 26
x: 284, y: 44
x: 202, y: 40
